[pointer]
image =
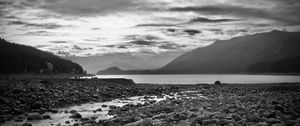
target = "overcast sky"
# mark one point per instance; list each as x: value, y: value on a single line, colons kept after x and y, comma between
x: 150, y: 27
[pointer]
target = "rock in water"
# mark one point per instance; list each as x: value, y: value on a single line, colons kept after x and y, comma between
x: 217, y: 82
x: 34, y: 116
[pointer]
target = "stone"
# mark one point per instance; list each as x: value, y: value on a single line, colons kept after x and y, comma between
x: 184, y: 123
x: 273, y: 120
x: 46, y: 117
x: 85, y: 119
x: 297, y: 121
x: 36, y: 105
x: 34, y: 116
x: 290, y: 122
x: 278, y: 124
x: 26, y: 124
x: 142, y: 122
x: 109, y: 123
x: 104, y: 106
x: 89, y: 123
x: 73, y: 111
x: 97, y: 110
x: 75, y: 124
x: 75, y: 115
x: 20, y: 118
x: 207, y: 121
x: 222, y: 122
x: 159, y: 116
x: 262, y: 124
x: 112, y: 107
x: 53, y: 111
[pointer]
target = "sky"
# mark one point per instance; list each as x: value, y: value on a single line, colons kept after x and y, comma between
x: 85, y: 28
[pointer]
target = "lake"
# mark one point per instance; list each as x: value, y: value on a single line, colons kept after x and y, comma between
x: 197, y: 79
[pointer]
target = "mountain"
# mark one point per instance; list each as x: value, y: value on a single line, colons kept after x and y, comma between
x: 240, y: 54
x: 272, y: 52
x: 17, y: 58
x: 123, y: 61
x: 116, y: 70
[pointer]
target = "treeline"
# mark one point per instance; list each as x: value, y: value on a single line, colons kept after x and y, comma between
x: 16, y: 58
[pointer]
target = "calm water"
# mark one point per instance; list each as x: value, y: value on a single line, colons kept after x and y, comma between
x: 196, y: 79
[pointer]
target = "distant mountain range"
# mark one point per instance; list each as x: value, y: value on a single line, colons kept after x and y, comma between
x: 272, y: 52
x: 123, y: 61
x: 16, y: 58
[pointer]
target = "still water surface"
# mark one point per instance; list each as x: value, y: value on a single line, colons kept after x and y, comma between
x: 197, y: 79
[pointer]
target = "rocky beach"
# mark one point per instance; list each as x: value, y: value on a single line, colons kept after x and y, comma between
x: 25, y: 101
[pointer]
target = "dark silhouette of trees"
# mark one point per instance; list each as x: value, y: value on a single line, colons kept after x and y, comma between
x: 16, y: 58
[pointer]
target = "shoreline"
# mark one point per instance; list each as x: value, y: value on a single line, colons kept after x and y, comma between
x: 23, y: 96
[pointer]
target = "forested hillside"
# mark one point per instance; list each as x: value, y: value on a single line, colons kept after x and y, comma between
x: 16, y: 58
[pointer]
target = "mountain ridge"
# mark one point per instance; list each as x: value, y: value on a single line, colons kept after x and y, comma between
x: 238, y: 55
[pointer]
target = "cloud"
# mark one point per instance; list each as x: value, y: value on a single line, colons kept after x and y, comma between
x: 59, y: 42
x: 171, y: 30
x: 63, y: 53
x: 94, y: 39
x: 155, y: 25
x: 41, y: 46
x: 122, y: 47
x: 38, y: 33
x: 142, y: 37
x: 87, y: 7
x: 96, y: 28
x: 170, y: 46
x: 207, y: 20
x: 142, y: 42
x: 75, y: 47
x: 192, y: 31
x: 239, y: 11
x: 36, y: 25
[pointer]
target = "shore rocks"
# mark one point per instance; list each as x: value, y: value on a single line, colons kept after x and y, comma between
x: 190, y: 105
x: 34, y: 95
x: 228, y: 105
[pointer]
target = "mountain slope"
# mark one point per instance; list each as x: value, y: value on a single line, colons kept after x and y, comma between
x: 239, y: 54
x: 17, y: 58
x: 272, y: 52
